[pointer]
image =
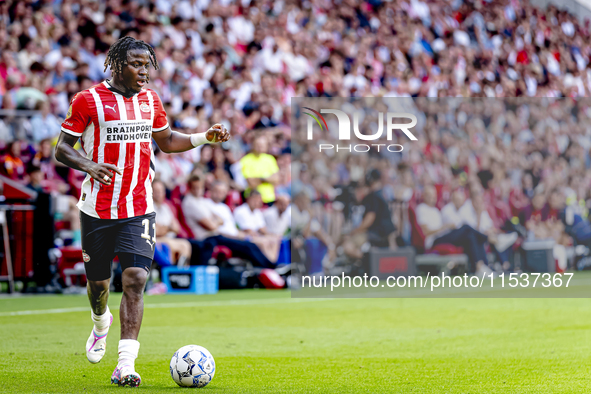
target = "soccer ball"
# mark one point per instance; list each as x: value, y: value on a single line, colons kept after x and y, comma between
x: 192, y: 366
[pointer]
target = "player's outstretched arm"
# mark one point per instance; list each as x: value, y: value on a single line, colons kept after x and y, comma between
x: 66, y: 154
x: 170, y: 141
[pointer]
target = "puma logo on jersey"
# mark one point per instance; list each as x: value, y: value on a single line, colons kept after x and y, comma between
x: 150, y: 243
x: 111, y: 107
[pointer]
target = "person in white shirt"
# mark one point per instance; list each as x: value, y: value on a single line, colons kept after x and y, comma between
x: 199, y: 211
x: 478, y: 219
x: 168, y: 227
x: 250, y: 220
x: 242, y: 28
x: 474, y: 214
x: 270, y: 58
x: 451, y: 212
x: 228, y: 228
x: 208, y: 217
x: 278, y: 217
x: 430, y: 218
x: 212, y: 224
x: 249, y: 217
x: 436, y: 232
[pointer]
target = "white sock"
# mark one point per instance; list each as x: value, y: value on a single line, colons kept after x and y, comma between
x: 101, y: 322
x: 128, y: 350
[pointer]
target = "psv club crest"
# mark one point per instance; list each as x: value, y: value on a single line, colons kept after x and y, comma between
x: 85, y: 257
x: 144, y: 107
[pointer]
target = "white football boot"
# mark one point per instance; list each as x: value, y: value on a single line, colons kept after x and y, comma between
x: 97, y: 345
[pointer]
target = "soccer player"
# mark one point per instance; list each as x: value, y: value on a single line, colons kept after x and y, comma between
x: 116, y: 121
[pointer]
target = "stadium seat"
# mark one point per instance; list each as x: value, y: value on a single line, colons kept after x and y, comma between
x: 233, y: 200
x: 178, y: 193
x: 71, y: 264
x: 61, y: 225
x: 185, y: 229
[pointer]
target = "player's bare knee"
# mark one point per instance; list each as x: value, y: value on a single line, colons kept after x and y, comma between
x: 134, y: 280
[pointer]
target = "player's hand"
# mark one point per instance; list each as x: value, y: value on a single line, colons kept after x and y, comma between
x: 104, y: 173
x: 217, y: 133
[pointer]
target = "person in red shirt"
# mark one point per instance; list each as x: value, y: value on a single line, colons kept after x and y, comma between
x: 116, y: 121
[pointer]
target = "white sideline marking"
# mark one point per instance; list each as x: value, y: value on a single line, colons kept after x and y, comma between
x: 167, y: 305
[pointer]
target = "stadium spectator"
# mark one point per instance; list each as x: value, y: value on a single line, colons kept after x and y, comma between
x: 376, y: 227
x: 474, y: 213
x: 249, y: 217
x: 450, y: 213
x: 260, y: 169
x: 43, y: 229
x: 436, y: 232
x: 12, y: 164
x: 575, y: 226
x: 35, y: 179
x: 44, y: 125
x: 168, y: 227
x: 535, y: 215
x: 520, y: 197
x: 44, y: 159
x: 205, y: 157
x: 284, y: 164
x: 64, y: 205
x: 243, y: 68
x: 201, y: 214
x: 208, y: 216
x: 251, y: 222
x: 278, y: 217
x: 268, y: 244
x: 212, y: 224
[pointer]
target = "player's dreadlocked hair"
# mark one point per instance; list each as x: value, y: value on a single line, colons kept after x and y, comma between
x: 117, y: 55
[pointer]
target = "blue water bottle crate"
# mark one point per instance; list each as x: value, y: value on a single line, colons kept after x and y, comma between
x: 191, y: 280
x: 212, y: 279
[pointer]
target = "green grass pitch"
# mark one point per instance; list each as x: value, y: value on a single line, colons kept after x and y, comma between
x: 266, y: 342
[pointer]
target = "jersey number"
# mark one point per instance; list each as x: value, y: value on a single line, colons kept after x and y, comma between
x: 146, y: 233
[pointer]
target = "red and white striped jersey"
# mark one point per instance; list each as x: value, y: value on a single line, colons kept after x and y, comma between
x: 117, y: 130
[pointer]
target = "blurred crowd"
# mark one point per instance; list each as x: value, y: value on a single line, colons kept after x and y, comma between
x: 506, y: 168
x: 241, y: 62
